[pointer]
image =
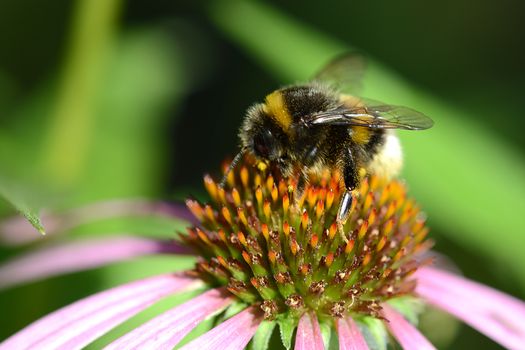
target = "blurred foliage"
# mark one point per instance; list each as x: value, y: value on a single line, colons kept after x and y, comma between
x: 104, y: 98
x: 19, y: 196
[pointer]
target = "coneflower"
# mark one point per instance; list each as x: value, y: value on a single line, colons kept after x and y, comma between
x: 267, y: 259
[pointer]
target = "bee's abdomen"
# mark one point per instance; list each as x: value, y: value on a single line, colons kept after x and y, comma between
x: 386, y: 158
x: 375, y: 141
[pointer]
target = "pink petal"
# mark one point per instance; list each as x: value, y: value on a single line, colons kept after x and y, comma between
x: 81, y: 255
x: 460, y: 286
x: 166, y: 330
x: 405, y: 333
x: 17, y: 231
x: 493, y: 313
x: 350, y: 338
x: 308, y: 333
x: 232, y: 334
x: 78, y: 324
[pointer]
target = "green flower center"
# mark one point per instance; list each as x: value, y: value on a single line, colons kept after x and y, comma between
x: 286, y: 254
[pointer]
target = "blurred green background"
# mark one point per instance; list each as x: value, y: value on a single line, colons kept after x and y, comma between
x: 102, y: 99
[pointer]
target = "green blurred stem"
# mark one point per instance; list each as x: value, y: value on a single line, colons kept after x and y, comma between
x: 69, y: 135
x: 468, y: 180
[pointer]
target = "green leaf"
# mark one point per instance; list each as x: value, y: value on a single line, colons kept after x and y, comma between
x: 232, y: 310
x: 374, y: 332
x: 17, y: 196
x: 261, y: 339
x: 287, y: 325
x: 409, y: 307
x: 326, y: 333
x: 334, y: 343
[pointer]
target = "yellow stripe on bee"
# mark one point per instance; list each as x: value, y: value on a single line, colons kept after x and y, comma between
x: 276, y: 108
x: 351, y: 101
x: 360, y: 134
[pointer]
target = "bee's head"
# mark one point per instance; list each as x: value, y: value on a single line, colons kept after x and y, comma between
x: 262, y: 136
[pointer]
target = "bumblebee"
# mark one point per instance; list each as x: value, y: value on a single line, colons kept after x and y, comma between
x: 305, y: 129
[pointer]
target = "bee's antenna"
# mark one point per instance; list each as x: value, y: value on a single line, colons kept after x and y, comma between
x: 232, y: 166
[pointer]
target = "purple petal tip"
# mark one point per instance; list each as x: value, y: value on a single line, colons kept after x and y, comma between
x: 308, y: 333
x: 232, y: 334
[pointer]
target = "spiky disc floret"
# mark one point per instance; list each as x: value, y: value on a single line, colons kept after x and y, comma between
x: 286, y: 254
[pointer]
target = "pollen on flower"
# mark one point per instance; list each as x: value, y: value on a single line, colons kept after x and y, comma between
x: 284, y: 254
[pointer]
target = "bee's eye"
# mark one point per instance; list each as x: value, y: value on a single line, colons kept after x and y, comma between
x: 264, y: 144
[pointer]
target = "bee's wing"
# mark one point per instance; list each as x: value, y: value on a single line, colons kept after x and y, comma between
x: 344, y: 73
x: 379, y: 116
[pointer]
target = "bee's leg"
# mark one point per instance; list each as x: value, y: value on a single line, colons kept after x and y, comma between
x: 301, y: 185
x: 351, y: 180
x: 308, y: 160
x: 343, y: 213
x: 288, y: 170
x: 298, y: 192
